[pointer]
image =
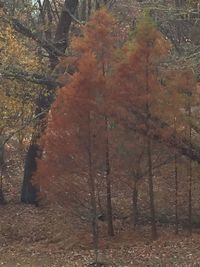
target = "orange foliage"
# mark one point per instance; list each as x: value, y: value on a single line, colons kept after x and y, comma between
x: 137, y: 77
x: 63, y: 170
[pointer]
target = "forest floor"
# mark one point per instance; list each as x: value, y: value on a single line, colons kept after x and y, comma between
x: 46, y: 236
x: 41, y: 237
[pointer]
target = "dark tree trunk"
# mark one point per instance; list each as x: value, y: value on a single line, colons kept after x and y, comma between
x: 108, y: 184
x: 109, y: 207
x: 61, y: 36
x: 176, y: 194
x: 2, y: 161
x: 97, y: 5
x: 89, y: 8
x: 190, y: 198
x: 176, y: 184
x: 149, y: 156
x: 2, y: 165
x: 190, y: 175
x: 92, y: 188
x: 135, y: 203
x: 29, y: 192
x: 151, y: 191
x: 83, y: 8
x: 2, y: 199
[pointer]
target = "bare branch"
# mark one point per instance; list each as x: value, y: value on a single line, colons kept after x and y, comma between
x: 21, y: 28
x: 157, y: 127
x: 26, y: 124
x: 30, y: 77
x: 73, y: 17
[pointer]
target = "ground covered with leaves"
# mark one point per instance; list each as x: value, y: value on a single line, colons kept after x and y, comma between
x: 43, y: 236
x: 47, y: 236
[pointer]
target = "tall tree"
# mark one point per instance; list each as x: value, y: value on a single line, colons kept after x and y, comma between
x: 188, y: 91
x: 69, y: 142
x: 141, y: 89
x: 55, y: 49
x: 100, y: 40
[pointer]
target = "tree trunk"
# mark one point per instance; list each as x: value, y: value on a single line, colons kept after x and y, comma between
x: 176, y: 193
x: 94, y: 210
x: 176, y: 184
x: 2, y: 199
x: 190, y: 176
x: 135, y: 203
x: 29, y: 192
x: 61, y: 36
x: 82, y: 10
x: 151, y: 191
x: 108, y: 184
x: 149, y: 155
x: 92, y: 187
x: 89, y: 9
x: 190, y: 199
x: 2, y: 165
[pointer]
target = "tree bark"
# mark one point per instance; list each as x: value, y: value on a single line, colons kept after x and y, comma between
x: 190, y: 175
x: 149, y: 154
x: 61, y: 35
x: 108, y: 184
x: 151, y: 191
x: 29, y: 191
x: 92, y: 187
x: 2, y: 165
x: 135, y: 203
x: 176, y: 193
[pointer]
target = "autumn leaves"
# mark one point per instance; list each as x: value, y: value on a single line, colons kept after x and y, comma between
x: 113, y: 87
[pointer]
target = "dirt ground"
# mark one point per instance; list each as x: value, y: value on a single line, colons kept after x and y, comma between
x: 42, y: 237
x: 48, y: 237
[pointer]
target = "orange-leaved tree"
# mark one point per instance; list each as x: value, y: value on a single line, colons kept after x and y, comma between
x: 140, y: 89
x: 177, y: 111
x: 186, y: 85
x: 100, y: 38
x: 67, y: 170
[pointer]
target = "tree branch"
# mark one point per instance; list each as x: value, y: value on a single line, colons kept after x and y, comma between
x: 30, y: 77
x: 20, y: 129
x: 21, y: 28
x: 73, y: 17
x: 158, y: 128
x: 61, y: 35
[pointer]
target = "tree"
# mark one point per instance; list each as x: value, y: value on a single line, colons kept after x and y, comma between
x: 54, y: 50
x: 101, y: 40
x: 174, y: 83
x: 17, y: 99
x: 188, y: 91
x: 180, y: 99
x: 69, y: 141
x: 45, y: 20
x: 140, y: 88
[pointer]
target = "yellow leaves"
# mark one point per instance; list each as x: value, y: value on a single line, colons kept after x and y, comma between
x: 17, y: 97
x: 15, y: 52
x: 11, y: 109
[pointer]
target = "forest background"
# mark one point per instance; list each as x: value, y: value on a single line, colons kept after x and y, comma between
x: 100, y: 128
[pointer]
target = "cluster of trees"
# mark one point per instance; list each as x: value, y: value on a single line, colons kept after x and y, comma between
x: 106, y: 120
x: 120, y: 96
